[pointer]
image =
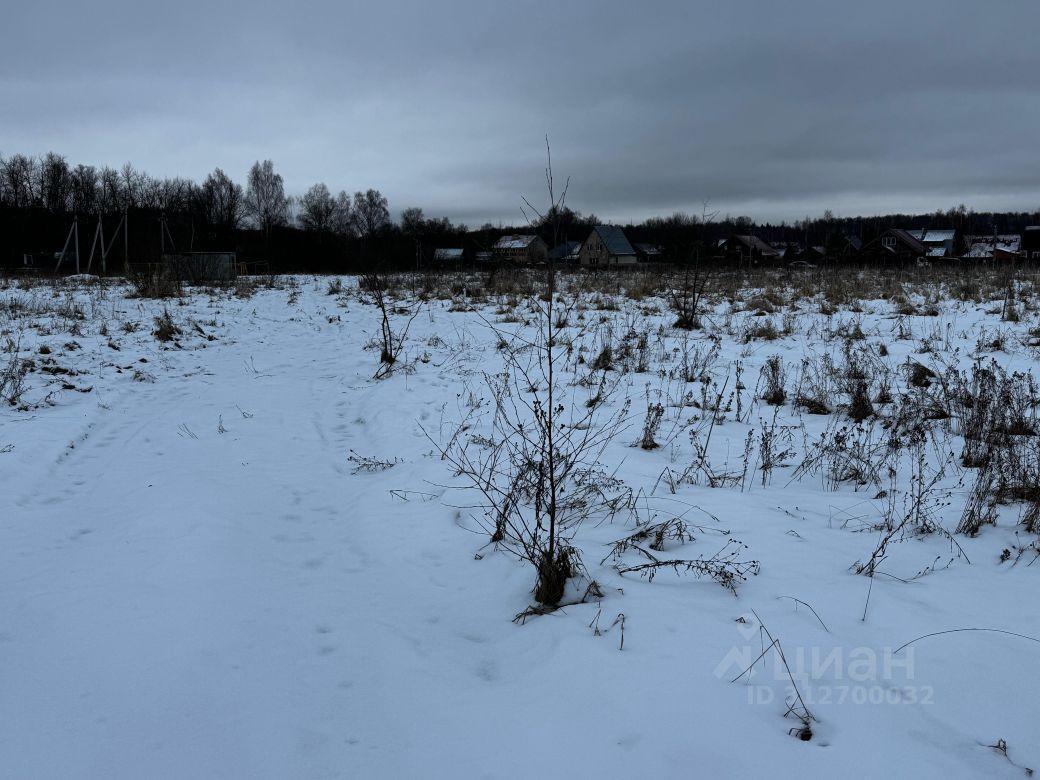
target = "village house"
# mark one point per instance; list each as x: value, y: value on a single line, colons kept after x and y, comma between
x: 895, y: 244
x: 844, y: 247
x: 606, y: 247
x: 567, y: 253
x: 447, y: 255
x: 938, y: 243
x: 753, y: 248
x: 788, y: 250
x: 648, y: 253
x: 814, y: 254
x: 994, y: 247
x: 1030, y: 246
x: 520, y: 249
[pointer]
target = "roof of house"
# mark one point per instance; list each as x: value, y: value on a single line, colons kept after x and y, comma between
x: 447, y: 254
x: 933, y: 236
x: 758, y: 245
x: 648, y: 249
x: 784, y: 248
x: 936, y: 251
x: 614, y: 239
x: 515, y: 242
x: 985, y: 246
x: 907, y: 238
x: 565, y: 250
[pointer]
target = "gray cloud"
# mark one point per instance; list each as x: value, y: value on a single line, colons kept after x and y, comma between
x: 777, y: 110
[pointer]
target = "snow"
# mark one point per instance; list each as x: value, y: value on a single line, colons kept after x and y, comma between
x: 985, y: 246
x: 196, y: 581
x: 933, y: 236
x: 514, y: 242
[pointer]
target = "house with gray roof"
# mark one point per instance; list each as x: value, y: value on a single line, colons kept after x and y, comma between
x: 938, y: 243
x: 607, y: 247
x: 567, y: 252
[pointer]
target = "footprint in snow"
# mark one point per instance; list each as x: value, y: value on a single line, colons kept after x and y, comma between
x: 487, y: 671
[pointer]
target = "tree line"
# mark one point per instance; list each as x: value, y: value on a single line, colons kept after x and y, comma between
x: 40, y: 195
x: 50, y: 184
x: 319, y: 230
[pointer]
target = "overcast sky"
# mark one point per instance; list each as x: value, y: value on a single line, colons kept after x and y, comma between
x: 773, y: 109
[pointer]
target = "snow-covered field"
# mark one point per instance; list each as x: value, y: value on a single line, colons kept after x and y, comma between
x: 238, y: 554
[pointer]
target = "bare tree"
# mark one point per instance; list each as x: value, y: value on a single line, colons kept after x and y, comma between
x: 55, y: 183
x: 392, y: 339
x: 687, y: 297
x: 130, y: 181
x: 149, y: 193
x: 371, y: 212
x: 19, y: 181
x: 170, y: 195
x: 85, y: 190
x: 110, y: 192
x: 265, y: 200
x: 540, y: 476
x: 413, y: 222
x: 343, y: 218
x: 317, y: 209
x: 222, y: 200
x: 555, y: 565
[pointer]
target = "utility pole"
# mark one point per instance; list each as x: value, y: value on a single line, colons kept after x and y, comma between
x: 65, y: 247
x: 94, y: 244
x: 101, y: 230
